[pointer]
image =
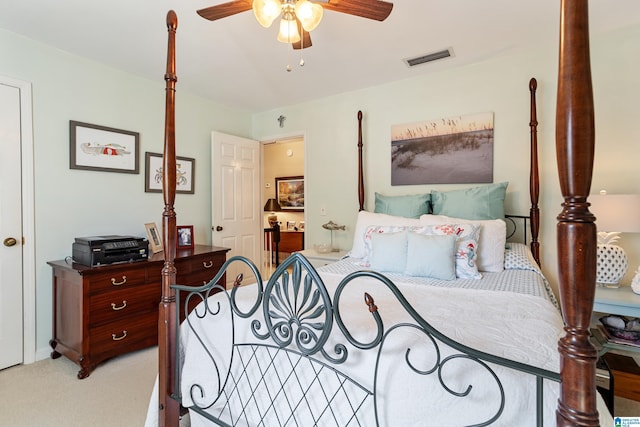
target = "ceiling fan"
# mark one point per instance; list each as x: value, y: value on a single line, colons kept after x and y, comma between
x: 298, y: 17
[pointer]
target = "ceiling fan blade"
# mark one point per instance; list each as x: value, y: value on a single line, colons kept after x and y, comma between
x: 370, y: 9
x: 305, y: 41
x: 223, y: 10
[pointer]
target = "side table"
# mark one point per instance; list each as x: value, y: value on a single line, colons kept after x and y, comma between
x: 318, y: 259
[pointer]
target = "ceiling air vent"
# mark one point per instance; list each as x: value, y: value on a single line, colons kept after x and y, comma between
x: 430, y: 57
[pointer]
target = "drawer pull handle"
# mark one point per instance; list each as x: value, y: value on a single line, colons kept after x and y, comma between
x: 114, y: 283
x: 119, y: 338
x: 209, y: 265
x: 114, y: 307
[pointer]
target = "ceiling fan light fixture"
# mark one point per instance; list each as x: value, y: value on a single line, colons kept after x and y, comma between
x: 266, y: 11
x: 309, y: 14
x: 288, y: 31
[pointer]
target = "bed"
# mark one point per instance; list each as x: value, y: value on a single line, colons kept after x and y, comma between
x: 404, y: 333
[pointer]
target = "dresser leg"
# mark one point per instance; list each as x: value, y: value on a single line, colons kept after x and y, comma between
x: 54, y: 354
x: 85, y: 370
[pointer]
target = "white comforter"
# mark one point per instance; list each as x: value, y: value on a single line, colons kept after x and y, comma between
x: 520, y: 327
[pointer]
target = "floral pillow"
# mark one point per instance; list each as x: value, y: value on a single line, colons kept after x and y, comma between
x: 466, y: 244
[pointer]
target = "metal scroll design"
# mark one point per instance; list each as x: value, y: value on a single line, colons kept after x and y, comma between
x: 434, y: 337
x: 297, y: 318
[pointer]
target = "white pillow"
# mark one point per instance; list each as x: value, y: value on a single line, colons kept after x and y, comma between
x: 389, y: 252
x: 491, y: 243
x: 366, y: 219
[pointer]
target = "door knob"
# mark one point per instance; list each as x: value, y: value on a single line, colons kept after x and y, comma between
x: 219, y: 228
x: 10, y: 241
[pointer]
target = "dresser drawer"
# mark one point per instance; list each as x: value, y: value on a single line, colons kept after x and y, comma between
x: 109, y: 281
x: 199, y: 266
x: 114, y: 305
x: 121, y: 336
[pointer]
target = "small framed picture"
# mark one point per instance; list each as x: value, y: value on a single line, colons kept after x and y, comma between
x: 155, y: 240
x: 185, y: 174
x: 185, y: 236
x: 291, y: 225
x: 301, y: 225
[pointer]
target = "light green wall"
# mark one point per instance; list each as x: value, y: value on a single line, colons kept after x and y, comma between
x: 498, y: 85
x: 74, y: 203
x: 71, y: 203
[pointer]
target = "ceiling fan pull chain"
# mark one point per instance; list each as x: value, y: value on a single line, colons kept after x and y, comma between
x: 302, y: 48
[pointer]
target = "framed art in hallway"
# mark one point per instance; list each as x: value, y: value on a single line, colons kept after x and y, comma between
x: 290, y: 193
x: 101, y: 148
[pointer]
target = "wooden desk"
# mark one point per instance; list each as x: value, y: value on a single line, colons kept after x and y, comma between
x: 290, y: 241
x: 102, y: 312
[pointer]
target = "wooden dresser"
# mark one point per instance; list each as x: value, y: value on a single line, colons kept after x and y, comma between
x: 105, y: 311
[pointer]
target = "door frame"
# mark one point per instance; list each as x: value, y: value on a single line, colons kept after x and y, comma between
x: 28, y: 219
x: 282, y: 138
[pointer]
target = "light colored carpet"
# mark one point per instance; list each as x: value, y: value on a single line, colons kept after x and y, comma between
x: 48, y: 393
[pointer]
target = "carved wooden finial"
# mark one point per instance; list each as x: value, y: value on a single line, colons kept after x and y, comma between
x: 238, y: 280
x: 368, y: 299
x: 172, y: 20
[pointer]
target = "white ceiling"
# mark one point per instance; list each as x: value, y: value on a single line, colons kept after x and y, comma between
x: 236, y: 62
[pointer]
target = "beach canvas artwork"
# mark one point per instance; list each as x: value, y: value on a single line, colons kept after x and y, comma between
x: 450, y: 150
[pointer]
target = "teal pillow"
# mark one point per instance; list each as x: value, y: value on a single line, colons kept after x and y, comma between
x: 410, y: 206
x: 431, y: 256
x: 389, y: 252
x: 486, y: 202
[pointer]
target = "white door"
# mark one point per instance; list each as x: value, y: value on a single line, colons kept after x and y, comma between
x: 11, y: 319
x: 236, y: 200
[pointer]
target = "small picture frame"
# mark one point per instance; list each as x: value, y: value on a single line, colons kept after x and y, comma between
x: 101, y: 148
x: 185, y: 173
x: 291, y: 226
x: 301, y: 226
x: 154, y: 237
x: 185, y: 236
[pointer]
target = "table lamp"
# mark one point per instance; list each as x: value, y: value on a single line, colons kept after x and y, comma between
x: 615, y: 214
x: 272, y: 206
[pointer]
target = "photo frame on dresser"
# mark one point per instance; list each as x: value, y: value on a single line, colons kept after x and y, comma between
x: 185, y: 236
x: 154, y: 237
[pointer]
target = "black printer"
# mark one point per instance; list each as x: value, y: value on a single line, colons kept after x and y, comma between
x: 100, y: 250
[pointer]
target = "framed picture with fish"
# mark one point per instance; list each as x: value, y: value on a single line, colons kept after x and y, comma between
x: 290, y: 193
x: 101, y: 148
x: 185, y: 173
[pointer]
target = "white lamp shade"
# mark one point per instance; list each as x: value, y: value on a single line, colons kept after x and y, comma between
x: 616, y: 212
x: 288, y: 31
x: 309, y: 14
x: 266, y: 11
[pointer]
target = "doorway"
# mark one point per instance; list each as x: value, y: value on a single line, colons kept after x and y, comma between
x: 284, y: 169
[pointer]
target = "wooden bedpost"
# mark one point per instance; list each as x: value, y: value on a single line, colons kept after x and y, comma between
x: 534, y: 179
x: 360, y: 173
x: 169, y: 409
x: 576, y: 229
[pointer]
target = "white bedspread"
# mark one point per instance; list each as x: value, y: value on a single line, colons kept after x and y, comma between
x: 516, y: 326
